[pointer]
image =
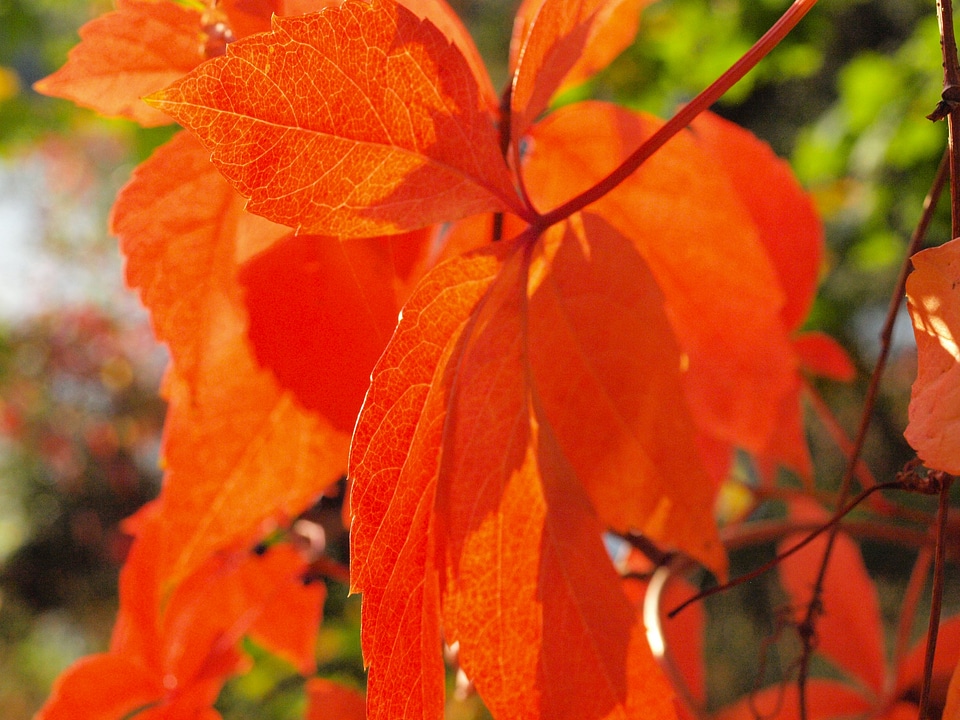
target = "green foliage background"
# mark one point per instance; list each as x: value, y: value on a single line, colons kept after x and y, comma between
x: 844, y: 98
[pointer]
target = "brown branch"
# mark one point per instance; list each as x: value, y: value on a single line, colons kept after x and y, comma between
x: 937, y: 600
x: 814, y: 608
x: 831, y: 525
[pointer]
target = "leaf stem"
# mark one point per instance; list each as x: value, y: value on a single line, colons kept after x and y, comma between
x: 771, y: 564
x: 937, y: 599
x: 684, y: 116
x: 807, y: 627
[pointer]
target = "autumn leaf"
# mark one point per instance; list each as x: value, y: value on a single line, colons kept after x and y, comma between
x: 171, y: 663
x: 787, y: 222
x: 239, y: 448
x: 687, y: 222
x: 558, y: 40
x: 348, y: 122
x: 819, y: 354
x: 179, y: 226
x: 321, y: 311
x: 951, y: 710
x: 464, y: 503
x: 824, y: 698
x: 613, y: 391
x: 911, y: 667
x: 934, y: 428
x: 328, y: 700
x: 125, y: 55
x: 394, y: 460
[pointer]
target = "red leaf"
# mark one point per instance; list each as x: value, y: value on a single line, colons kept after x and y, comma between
x: 393, y: 464
x: 679, y: 209
x: 348, y: 122
x: 910, y: 668
x: 951, y: 710
x: 238, y: 447
x: 825, y: 699
x: 460, y: 484
x: 333, y: 701
x: 125, y: 55
x: 290, y: 611
x: 172, y: 654
x: 556, y: 41
x: 321, y: 312
x: 789, y: 227
x: 821, y: 355
x: 247, y: 17
x: 607, y: 371
x: 101, y: 687
x: 934, y: 428
x: 850, y: 630
x: 181, y: 228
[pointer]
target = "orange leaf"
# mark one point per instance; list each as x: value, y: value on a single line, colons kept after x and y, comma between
x: 932, y: 299
x: 333, y: 701
x: 850, y: 630
x: 349, y: 122
x: 394, y: 460
x: 125, y: 55
x: 825, y: 699
x: 101, y: 687
x: 951, y: 710
x: 171, y: 656
x: 789, y: 227
x: 821, y: 355
x: 321, y: 311
x: 239, y: 451
x: 290, y: 611
x: 247, y: 17
x: 460, y: 487
x: 180, y: 226
x: 910, y: 668
x: 529, y: 592
x: 607, y: 370
x: 239, y: 448
x: 557, y: 42
x: 679, y: 209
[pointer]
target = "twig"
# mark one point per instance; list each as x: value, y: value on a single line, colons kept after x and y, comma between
x: 807, y: 627
x: 685, y: 115
x: 937, y: 600
x: 833, y: 525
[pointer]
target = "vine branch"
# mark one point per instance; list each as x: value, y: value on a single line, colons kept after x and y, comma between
x: 770, y: 39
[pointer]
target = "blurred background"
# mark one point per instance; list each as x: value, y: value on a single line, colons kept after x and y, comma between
x: 843, y: 98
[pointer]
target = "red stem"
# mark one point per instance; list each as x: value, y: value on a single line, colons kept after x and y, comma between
x: 684, y: 116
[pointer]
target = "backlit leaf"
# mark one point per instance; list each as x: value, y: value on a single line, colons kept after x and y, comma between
x: 932, y: 299
x: 125, y: 55
x: 238, y: 447
x: 348, y: 122
x: 329, y: 700
x: 172, y: 657
x: 530, y: 594
x: 612, y: 389
x: 322, y: 310
x: 722, y: 295
x: 824, y: 698
x: 460, y: 482
x: 910, y: 668
x: 789, y: 227
x: 554, y: 39
x: 179, y: 226
x: 394, y: 461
